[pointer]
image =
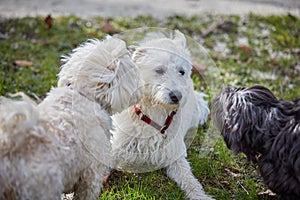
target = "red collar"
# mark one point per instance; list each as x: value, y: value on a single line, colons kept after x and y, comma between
x: 152, y: 123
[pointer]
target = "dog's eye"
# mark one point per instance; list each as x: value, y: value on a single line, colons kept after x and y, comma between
x: 181, y: 72
x: 160, y: 71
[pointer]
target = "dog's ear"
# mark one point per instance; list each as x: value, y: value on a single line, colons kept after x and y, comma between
x: 179, y: 39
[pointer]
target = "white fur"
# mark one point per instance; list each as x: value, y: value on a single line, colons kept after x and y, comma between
x: 139, y: 147
x: 62, y: 144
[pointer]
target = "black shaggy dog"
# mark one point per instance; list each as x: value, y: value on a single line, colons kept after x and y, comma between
x: 266, y: 129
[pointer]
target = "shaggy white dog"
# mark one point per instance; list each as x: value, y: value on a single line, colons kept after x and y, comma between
x: 150, y: 135
x: 63, y: 144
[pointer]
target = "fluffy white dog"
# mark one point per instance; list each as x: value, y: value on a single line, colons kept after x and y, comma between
x: 63, y: 144
x: 150, y: 134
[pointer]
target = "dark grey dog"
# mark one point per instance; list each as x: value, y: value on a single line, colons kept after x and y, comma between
x: 266, y: 129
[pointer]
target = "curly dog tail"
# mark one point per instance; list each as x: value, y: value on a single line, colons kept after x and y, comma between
x: 19, y: 125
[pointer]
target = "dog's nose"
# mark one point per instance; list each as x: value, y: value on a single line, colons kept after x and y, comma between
x: 175, y: 96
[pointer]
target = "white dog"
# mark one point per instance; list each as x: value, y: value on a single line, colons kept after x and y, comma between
x: 150, y: 135
x: 63, y: 144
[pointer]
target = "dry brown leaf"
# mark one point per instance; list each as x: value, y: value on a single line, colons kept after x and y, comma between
x: 224, y: 182
x: 197, y: 67
x: 245, y: 48
x: 232, y: 173
x: 23, y: 63
x: 49, y: 21
x: 107, y: 27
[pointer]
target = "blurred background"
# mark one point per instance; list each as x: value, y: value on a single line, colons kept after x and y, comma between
x: 157, y: 8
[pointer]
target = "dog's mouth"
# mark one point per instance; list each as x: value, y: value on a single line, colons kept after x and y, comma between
x: 168, y: 98
x: 167, y: 104
x: 171, y: 107
x: 164, y: 104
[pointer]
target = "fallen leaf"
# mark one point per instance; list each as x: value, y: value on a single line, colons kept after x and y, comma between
x: 23, y: 63
x: 107, y: 27
x: 228, y: 26
x: 232, y: 173
x: 267, y: 192
x: 224, y: 182
x: 245, y: 48
x: 48, y: 20
x: 210, y: 29
x: 198, y: 68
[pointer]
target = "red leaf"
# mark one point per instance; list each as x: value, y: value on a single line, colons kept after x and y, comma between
x: 48, y: 20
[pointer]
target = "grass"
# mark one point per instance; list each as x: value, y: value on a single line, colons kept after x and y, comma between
x: 247, y: 50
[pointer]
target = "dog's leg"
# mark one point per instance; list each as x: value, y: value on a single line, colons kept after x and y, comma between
x: 180, y: 172
x: 90, y: 183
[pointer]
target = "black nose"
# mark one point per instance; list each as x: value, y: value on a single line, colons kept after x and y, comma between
x: 175, y: 96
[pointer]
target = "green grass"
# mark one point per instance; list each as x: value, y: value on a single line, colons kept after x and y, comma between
x: 270, y: 56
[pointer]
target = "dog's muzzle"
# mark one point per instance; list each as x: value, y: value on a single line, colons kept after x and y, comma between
x: 175, y: 96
